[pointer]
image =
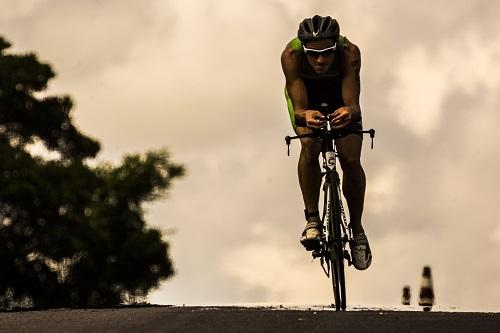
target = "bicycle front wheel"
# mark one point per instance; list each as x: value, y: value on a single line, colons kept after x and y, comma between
x: 337, y: 248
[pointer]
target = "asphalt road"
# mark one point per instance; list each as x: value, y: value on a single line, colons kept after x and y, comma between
x: 238, y: 319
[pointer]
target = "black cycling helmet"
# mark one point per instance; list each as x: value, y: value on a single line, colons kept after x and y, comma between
x: 318, y: 27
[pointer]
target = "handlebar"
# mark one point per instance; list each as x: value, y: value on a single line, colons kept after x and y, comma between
x: 331, y: 134
x: 328, y: 133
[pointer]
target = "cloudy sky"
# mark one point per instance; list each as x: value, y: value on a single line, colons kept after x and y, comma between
x: 203, y: 78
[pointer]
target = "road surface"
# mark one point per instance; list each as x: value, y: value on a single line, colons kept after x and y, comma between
x: 243, y: 319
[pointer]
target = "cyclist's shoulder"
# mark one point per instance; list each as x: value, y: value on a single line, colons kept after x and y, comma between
x: 295, y: 45
x: 349, y: 49
x: 290, y: 58
x: 293, y: 50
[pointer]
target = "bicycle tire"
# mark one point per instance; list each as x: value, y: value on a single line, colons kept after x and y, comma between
x: 330, y: 249
x: 337, y: 257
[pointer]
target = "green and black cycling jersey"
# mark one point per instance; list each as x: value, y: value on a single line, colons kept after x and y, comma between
x: 320, y: 88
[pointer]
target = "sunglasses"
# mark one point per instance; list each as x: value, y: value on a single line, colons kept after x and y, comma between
x: 324, y: 52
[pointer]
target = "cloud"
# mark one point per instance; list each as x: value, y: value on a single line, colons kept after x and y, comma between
x: 425, y: 77
x: 85, y: 38
x: 15, y: 9
x: 278, y: 268
x: 382, y: 194
x: 495, y: 235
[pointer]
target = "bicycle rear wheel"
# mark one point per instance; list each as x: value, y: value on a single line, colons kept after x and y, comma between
x: 337, y: 248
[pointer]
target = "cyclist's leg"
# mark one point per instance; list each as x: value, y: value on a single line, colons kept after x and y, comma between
x: 309, y: 171
x: 353, y: 185
x: 354, y: 181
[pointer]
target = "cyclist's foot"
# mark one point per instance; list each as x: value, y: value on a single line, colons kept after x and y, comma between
x: 311, y: 236
x: 360, y: 252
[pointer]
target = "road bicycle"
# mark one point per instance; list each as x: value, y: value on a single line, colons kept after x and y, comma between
x: 336, y: 233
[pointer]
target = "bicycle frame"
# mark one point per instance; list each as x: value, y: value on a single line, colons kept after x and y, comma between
x: 332, y: 250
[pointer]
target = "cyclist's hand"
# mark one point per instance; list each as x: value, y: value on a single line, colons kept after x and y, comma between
x: 315, y: 119
x: 341, y: 118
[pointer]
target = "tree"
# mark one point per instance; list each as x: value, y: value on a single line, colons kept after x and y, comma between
x: 71, y: 234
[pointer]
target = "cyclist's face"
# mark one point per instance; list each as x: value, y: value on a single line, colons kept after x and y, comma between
x: 321, y: 62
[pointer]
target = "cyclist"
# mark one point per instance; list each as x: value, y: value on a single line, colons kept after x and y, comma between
x: 321, y: 66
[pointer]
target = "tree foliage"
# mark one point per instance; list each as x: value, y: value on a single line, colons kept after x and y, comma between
x: 71, y: 234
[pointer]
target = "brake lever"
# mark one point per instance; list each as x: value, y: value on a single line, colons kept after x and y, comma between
x: 287, y: 140
x: 372, y: 135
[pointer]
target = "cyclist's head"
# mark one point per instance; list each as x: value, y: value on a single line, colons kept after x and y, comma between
x: 317, y: 28
x: 319, y: 38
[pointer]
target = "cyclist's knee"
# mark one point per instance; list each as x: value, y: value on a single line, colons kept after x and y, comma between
x: 310, y: 148
x: 309, y: 142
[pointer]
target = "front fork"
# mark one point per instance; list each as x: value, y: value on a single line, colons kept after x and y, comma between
x: 327, y: 248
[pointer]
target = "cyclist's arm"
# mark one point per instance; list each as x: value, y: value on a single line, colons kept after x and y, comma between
x: 351, y: 83
x: 294, y: 84
x: 297, y: 91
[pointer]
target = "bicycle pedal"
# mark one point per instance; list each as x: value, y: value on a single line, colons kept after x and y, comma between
x: 316, y: 254
x: 311, y: 244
